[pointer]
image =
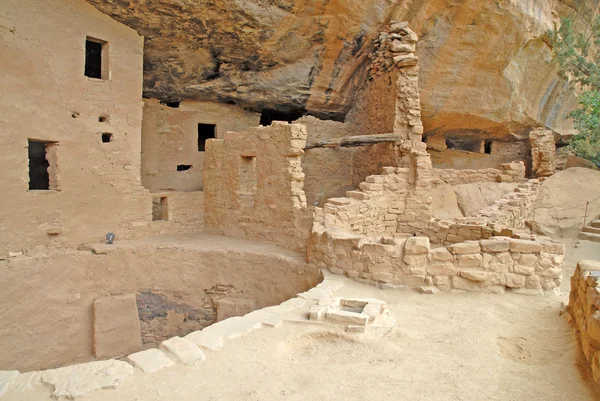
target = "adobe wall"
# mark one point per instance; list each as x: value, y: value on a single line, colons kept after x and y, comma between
x: 254, y: 185
x: 96, y: 185
x: 170, y: 138
x: 584, y: 307
x: 171, y: 280
x: 529, y: 266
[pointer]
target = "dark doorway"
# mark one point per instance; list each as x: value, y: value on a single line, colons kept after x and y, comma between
x: 488, y: 146
x: 205, y: 131
x: 38, y: 166
x: 93, y: 58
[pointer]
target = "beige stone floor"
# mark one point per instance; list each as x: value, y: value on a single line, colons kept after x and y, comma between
x: 444, y: 347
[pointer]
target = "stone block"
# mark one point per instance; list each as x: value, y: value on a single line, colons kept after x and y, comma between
x: 150, y: 360
x: 345, y: 317
x: 465, y: 248
x: 474, y: 275
x: 317, y: 312
x: 416, y: 246
x: 524, y: 246
x: 206, y: 340
x: 472, y: 260
x: 6, y: 378
x: 515, y: 280
x: 185, y: 351
x: 524, y: 270
x: 494, y: 245
x: 440, y: 254
x: 588, y: 265
x: 442, y: 269
x: 230, y: 306
x: 84, y: 378
x: 116, y: 330
x: 461, y: 283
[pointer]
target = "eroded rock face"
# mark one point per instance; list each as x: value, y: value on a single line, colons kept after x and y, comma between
x: 484, y: 65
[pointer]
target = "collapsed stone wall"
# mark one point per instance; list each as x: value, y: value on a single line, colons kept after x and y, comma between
x: 584, y: 307
x: 531, y: 265
x: 254, y: 185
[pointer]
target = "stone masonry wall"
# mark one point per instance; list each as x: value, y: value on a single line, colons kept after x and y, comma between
x: 253, y: 185
x: 503, y: 217
x: 388, y: 203
x: 584, y: 307
x: 543, y: 152
x: 531, y: 265
x: 510, y: 172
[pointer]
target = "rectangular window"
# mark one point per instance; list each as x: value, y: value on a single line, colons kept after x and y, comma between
x: 96, y: 58
x: 42, y: 165
x: 160, y: 208
x: 247, y: 183
x: 205, y: 131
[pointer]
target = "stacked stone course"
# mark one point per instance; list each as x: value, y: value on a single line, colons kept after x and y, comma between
x: 584, y: 307
x: 509, y: 172
x: 530, y: 266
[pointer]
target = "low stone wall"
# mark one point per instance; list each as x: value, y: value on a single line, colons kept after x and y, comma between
x: 176, y: 280
x: 184, y: 213
x: 584, y: 306
x: 503, y: 217
x: 529, y: 266
x: 510, y: 172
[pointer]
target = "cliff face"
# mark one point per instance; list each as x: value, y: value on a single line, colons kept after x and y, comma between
x: 485, y: 66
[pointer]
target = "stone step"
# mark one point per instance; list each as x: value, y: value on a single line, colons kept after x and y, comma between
x: 590, y: 237
x: 595, y: 223
x: 593, y: 230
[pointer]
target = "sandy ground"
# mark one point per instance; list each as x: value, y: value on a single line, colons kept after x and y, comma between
x: 444, y: 347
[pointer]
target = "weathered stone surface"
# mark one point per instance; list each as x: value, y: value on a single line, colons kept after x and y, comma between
x: 116, y: 326
x: 183, y: 350
x: 465, y: 247
x: 524, y: 246
x: 344, y: 317
x: 440, y: 254
x: 416, y: 246
x: 150, y: 360
x: 515, y: 280
x: 79, y: 380
x: 471, y: 260
x: 282, y: 57
x: 207, y: 340
x: 6, y: 378
x: 474, y: 275
x: 494, y: 245
x: 234, y: 306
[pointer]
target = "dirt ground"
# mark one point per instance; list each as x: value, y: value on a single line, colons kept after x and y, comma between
x: 469, y: 347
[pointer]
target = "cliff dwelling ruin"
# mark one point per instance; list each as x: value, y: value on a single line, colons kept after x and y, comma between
x: 266, y: 200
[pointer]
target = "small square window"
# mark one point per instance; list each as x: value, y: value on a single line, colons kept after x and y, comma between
x: 96, y: 58
x: 205, y: 131
x: 106, y: 137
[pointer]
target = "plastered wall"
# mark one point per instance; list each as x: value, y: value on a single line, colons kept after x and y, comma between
x: 170, y: 138
x: 254, y: 185
x: 46, y: 96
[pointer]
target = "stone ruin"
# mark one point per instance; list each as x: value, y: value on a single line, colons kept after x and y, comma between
x: 255, y: 186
